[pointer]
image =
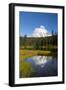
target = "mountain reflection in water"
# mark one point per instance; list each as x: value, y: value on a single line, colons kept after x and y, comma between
x: 39, y: 66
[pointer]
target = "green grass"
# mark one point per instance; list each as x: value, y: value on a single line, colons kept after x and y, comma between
x: 24, y: 54
x: 26, y: 70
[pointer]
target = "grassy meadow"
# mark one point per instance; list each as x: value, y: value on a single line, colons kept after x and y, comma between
x: 24, y: 54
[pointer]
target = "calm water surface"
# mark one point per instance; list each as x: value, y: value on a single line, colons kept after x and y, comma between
x: 39, y: 66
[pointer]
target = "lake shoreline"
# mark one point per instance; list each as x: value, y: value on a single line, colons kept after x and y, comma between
x: 24, y: 54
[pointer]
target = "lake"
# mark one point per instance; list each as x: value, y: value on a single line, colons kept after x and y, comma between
x: 39, y: 66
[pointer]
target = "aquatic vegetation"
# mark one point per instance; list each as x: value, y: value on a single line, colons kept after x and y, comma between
x: 26, y: 69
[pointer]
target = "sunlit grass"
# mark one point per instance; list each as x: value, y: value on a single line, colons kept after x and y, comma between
x: 24, y: 54
x: 25, y: 69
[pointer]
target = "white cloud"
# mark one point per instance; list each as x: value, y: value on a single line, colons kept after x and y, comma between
x: 40, y: 32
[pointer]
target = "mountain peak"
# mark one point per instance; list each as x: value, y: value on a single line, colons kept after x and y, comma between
x: 40, y: 32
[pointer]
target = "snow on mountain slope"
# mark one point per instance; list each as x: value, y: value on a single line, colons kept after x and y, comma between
x: 40, y: 32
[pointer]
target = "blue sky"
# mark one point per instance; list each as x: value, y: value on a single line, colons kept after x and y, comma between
x: 28, y: 21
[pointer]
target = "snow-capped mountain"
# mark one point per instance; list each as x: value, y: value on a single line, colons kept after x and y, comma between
x: 40, y: 32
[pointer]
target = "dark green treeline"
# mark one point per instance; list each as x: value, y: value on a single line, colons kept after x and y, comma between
x: 42, y: 43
